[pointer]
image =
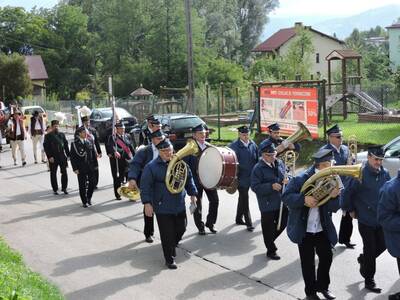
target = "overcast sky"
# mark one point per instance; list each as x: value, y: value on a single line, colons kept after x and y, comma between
x: 288, y: 8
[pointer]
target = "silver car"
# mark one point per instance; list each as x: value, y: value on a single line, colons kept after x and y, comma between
x: 392, y: 155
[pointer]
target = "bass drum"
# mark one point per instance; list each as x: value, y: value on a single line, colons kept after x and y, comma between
x: 217, y: 167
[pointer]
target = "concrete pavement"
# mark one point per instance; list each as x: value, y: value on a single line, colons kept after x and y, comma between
x: 100, y: 253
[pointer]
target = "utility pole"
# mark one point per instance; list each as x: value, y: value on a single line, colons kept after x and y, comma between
x: 191, y: 107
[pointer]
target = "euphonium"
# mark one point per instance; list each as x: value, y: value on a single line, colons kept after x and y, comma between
x: 175, y: 179
x: 301, y: 134
x: 321, y: 184
x: 126, y: 192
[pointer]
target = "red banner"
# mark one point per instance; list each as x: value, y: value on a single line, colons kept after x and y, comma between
x: 287, y: 106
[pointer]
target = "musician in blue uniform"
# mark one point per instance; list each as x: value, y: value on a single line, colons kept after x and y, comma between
x: 153, y: 124
x: 360, y: 199
x: 247, y: 155
x: 389, y: 219
x: 169, y: 208
x: 342, y: 157
x: 267, y: 180
x: 311, y: 227
x: 120, y: 151
x: 83, y: 160
x: 141, y: 159
x: 199, y: 135
x: 279, y: 143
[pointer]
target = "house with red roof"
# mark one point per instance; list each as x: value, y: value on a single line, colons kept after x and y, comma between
x: 38, y: 75
x: 279, y: 43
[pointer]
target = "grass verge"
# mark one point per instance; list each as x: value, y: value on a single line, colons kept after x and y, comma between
x: 17, y: 282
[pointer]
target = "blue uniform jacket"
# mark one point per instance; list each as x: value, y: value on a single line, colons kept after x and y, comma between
x: 154, y: 191
x: 389, y: 214
x: 140, y: 160
x: 298, y: 212
x: 247, y: 158
x: 362, y: 197
x: 341, y: 157
x: 262, y: 178
x: 276, y: 143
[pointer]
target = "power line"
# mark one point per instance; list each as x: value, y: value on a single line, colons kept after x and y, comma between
x: 31, y: 44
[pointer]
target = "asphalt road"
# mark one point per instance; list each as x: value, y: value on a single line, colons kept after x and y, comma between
x: 100, y: 253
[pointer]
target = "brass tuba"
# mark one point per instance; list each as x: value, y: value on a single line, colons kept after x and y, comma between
x: 321, y: 184
x: 175, y: 179
x: 131, y: 194
x: 300, y: 134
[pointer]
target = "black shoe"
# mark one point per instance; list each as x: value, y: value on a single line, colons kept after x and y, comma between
x: 23, y: 163
x: 149, y: 239
x: 202, y: 231
x: 312, y: 297
x: 394, y: 296
x: 65, y: 192
x: 171, y: 265
x: 349, y: 245
x: 118, y: 198
x: 250, y: 228
x: 96, y: 187
x: 211, y: 228
x: 240, y: 222
x: 89, y: 202
x: 84, y: 205
x: 273, y: 256
x: 360, y: 260
x: 35, y: 162
x: 55, y: 193
x: 327, y: 294
x: 371, y: 285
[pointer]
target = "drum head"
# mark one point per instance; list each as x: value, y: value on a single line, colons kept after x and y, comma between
x: 210, y: 168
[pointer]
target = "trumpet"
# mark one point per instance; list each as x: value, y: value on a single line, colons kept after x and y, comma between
x: 132, y: 194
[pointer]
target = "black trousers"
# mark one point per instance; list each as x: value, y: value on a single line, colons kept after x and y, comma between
x: 86, y: 186
x: 96, y: 176
x: 373, y: 246
x: 121, y: 176
x: 213, y: 201
x: 171, y: 227
x: 346, y: 228
x: 311, y: 244
x: 53, y: 176
x: 148, y: 225
x: 243, y: 206
x: 269, y: 221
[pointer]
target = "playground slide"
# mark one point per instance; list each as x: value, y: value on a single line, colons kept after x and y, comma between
x: 370, y: 103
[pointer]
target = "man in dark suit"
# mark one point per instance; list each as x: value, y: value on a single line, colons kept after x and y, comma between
x: 311, y: 227
x: 141, y: 159
x: 199, y: 135
x: 169, y: 208
x: 91, y: 135
x: 83, y: 158
x: 360, y: 199
x: 57, y: 152
x: 247, y: 155
x: 341, y: 155
x: 153, y: 124
x: 121, y: 152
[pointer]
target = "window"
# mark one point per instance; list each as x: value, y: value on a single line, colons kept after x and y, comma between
x: 317, y: 58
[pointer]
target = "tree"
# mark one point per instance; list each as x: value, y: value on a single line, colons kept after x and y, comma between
x: 14, y: 76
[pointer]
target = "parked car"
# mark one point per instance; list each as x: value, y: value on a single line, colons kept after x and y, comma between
x: 392, y: 156
x: 177, y: 125
x: 101, y: 119
x: 28, y: 111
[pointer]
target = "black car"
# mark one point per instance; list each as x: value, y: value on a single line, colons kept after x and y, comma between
x: 101, y: 119
x: 178, y: 126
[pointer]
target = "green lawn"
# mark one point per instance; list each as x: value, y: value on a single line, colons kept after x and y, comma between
x: 17, y: 282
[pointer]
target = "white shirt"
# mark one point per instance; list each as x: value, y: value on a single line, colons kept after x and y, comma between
x: 271, y: 165
x: 17, y: 129
x: 155, y: 151
x: 245, y: 144
x: 314, y: 219
x: 202, y: 146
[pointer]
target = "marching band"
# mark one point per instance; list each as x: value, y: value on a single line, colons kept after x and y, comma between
x: 302, y: 204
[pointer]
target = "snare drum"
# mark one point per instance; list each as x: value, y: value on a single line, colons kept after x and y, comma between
x: 217, y: 167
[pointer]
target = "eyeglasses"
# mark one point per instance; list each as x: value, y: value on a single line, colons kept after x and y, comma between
x: 338, y: 136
